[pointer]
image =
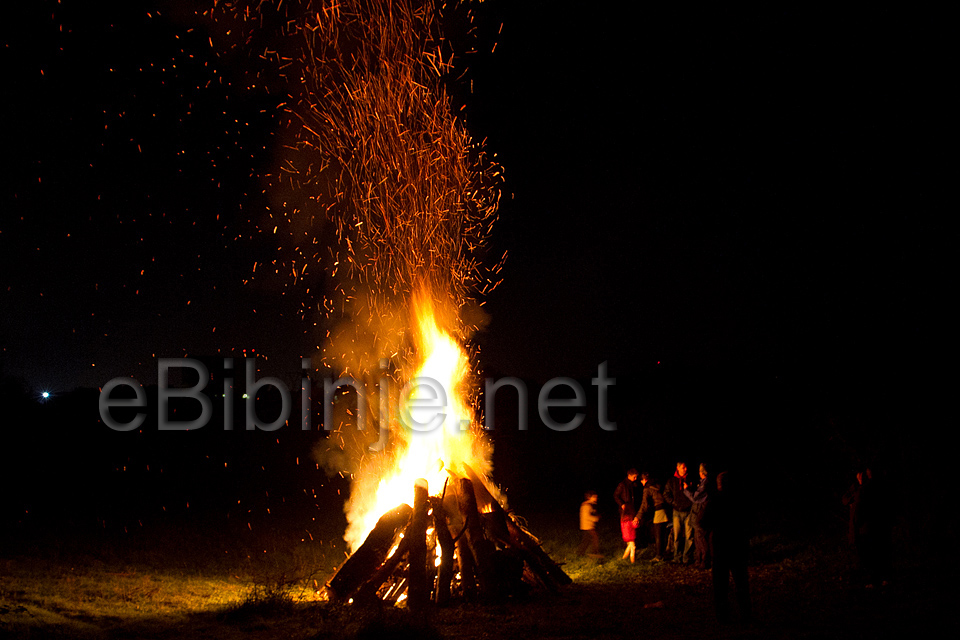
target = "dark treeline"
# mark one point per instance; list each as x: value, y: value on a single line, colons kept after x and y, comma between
x: 797, y: 448
x: 67, y: 472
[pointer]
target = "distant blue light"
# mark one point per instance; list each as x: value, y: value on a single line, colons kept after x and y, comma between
x: 45, y: 395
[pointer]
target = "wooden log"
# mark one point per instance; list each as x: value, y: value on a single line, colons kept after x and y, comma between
x: 495, y: 524
x: 481, y: 548
x: 509, y: 533
x: 358, y: 568
x: 419, y: 594
x: 367, y: 592
x: 510, y: 564
x: 480, y: 491
x: 468, y: 568
x: 441, y: 594
x: 526, y: 541
x: 394, y: 593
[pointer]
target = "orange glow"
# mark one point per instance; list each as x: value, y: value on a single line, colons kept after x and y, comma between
x: 436, y: 434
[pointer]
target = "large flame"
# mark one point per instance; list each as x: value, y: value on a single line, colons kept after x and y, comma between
x: 437, y: 434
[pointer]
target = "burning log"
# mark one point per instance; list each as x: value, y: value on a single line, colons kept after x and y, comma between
x: 356, y: 569
x: 481, y: 548
x: 367, y: 592
x: 534, y: 555
x: 494, y: 552
x: 417, y: 534
x: 503, y: 528
x: 445, y: 540
x: 468, y: 569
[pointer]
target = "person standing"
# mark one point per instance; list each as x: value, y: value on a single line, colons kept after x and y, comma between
x: 589, y: 540
x: 654, y: 504
x: 625, y: 493
x: 682, y: 522
x: 699, y: 497
x: 628, y: 528
x: 644, y: 525
x: 725, y: 519
x: 624, y: 496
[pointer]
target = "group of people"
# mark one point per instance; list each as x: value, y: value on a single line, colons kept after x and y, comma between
x: 707, y: 519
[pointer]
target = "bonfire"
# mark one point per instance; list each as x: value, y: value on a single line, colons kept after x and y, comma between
x: 460, y: 540
x: 385, y: 157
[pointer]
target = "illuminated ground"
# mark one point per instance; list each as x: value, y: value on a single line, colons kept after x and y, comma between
x: 801, y: 588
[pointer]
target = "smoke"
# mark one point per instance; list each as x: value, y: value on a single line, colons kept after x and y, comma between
x: 400, y: 203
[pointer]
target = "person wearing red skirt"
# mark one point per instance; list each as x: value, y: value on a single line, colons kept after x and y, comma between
x: 628, y: 527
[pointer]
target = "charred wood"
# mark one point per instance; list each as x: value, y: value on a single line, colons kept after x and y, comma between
x: 481, y: 548
x: 358, y: 568
x: 419, y: 594
x: 445, y: 540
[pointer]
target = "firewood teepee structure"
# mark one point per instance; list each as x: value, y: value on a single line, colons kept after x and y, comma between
x: 460, y: 543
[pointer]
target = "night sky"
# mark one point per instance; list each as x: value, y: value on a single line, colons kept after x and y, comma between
x: 737, y: 193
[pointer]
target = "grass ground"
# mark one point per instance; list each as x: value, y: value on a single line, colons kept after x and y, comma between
x: 801, y: 588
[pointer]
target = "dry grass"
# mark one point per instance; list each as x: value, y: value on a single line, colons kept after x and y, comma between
x: 88, y: 591
x: 800, y: 589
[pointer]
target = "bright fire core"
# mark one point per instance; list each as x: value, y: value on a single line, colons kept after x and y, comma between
x: 437, y: 434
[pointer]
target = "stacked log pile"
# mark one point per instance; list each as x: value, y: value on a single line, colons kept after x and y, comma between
x: 460, y: 544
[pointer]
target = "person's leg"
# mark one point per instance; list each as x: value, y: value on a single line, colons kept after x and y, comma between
x: 688, y: 538
x: 741, y: 582
x: 707, y: 548
x: 644, y: 535
x: 584, y: 542
x: 884, y: 556
x: 697, y: 549
x: 721, y: 587
x: 701, y: 549
x: 677, y: 527
x: 868, y: 559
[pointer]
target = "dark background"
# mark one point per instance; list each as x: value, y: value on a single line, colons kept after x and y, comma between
x: 742, y: 211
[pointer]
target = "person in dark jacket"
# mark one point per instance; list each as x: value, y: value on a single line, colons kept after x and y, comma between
x: 624, y: 494
x: 724, y: 517
x: 699, y: 497
x: 682, y: 521
x: 653, y: 508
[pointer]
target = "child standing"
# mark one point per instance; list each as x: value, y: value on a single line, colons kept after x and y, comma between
x: 588, y: 526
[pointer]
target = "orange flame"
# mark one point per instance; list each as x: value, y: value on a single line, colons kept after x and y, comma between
x: 437, y: 433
